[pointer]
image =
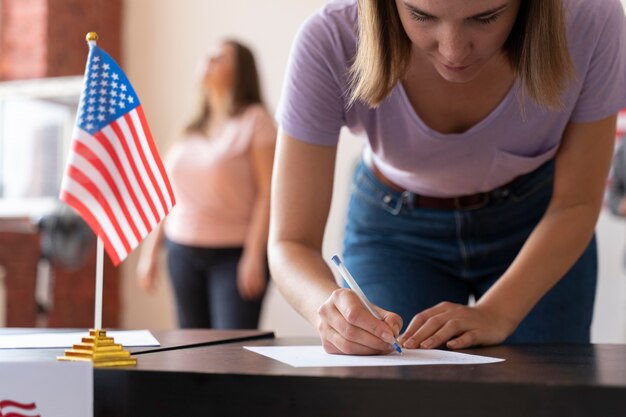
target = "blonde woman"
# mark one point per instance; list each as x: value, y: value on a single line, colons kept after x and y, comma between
x: 221, y: 172
x: 488, y: 128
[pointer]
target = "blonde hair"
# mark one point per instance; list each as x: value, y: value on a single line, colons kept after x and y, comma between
x: 536, y: 49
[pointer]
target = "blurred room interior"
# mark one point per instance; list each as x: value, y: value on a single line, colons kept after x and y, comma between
x: 159, y: 44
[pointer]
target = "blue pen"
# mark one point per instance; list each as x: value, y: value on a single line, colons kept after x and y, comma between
x: 355, y: 287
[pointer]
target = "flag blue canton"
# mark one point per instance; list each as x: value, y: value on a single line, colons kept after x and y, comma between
x: 107, y: 93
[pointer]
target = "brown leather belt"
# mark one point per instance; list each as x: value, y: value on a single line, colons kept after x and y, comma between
x: 466, y: 202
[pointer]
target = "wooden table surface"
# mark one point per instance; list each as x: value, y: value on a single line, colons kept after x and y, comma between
x: 225, y: 379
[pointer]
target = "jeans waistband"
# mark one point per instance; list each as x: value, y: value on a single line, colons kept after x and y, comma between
x: 396, y: 200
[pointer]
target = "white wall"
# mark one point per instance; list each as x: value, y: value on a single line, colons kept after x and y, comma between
x: 609, y: 323
x: 163, y: 42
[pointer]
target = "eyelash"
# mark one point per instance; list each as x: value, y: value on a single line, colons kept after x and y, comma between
x: 489, y: 19
x: 483, y: 21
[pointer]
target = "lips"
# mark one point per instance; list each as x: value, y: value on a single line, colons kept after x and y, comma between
x: 455, y: 68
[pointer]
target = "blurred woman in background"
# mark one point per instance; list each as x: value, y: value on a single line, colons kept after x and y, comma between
x: 221, y: 172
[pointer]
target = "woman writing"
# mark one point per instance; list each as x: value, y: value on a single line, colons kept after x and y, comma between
x: 488, y: 129
x: 221, y: 172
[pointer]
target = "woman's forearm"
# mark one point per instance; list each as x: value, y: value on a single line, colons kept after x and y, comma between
x: 550, y: 251
x: 152, y: 243
x: 256, y: 239
x: 581, y: 169
x: 302, y: 276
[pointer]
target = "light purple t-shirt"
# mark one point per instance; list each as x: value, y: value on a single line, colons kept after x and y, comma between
x: 494, y: 151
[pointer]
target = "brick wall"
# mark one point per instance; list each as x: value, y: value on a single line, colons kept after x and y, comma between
x: 24, y: 26
x: 73, y: 289
x: 18, y: 256
x: 46, y: 38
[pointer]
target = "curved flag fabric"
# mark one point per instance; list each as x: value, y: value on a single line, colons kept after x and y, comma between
x: 114, y: 176
x: 9, y: 408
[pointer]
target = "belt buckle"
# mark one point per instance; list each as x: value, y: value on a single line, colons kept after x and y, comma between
x: 460, y: 206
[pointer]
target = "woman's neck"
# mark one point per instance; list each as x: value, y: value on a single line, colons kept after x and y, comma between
x: 449, y: 107
x: 219, y: 113
x: 219, y: 103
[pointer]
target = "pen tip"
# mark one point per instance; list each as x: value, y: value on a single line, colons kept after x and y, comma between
x: 336, y: 260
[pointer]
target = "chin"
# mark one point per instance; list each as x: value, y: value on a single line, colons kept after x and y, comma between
x: 460, y: 76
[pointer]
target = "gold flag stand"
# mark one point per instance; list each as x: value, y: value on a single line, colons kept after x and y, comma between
x: 99, y: 349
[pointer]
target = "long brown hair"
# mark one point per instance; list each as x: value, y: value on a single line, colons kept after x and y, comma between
x: 245, y: 92
x: 536, y: 49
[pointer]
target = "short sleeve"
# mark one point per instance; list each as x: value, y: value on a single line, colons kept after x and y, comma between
x: 311, y: 107
x: 604, y: 84
x: 263, y: 129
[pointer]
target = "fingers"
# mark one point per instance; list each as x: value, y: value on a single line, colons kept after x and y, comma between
x: 245, y: 287
x: 347, y: 327
x: 441, y: 331
x: 255, y: 288
x: 465, y: 340
x: 251, y: 285
x: 457, y: 326
x: 415, y: 333
x: 352, y: 342
x: 258, y: 287
x: 145, y: 279
x: 146, y: 284
x: 393, y: 320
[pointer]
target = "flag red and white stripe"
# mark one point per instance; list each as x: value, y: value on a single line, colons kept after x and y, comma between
x: 114, y: 176
x: 10, y: 408
x: 116, y: 181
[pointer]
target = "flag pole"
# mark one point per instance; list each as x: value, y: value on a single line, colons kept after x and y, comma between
x: 92, y: 38
x: 99, y: 283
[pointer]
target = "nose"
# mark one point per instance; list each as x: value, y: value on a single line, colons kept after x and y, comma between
x: 212, y: 54
x: 453, y: 45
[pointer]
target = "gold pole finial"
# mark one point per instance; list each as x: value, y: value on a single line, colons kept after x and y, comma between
x: 91, y: 36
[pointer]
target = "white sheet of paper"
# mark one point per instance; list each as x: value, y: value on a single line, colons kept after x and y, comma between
x: 47, y: 389
x: 314, y: 356
x: 126, y: 338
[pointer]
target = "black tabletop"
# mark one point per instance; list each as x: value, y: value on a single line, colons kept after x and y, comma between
x: 569, y: 380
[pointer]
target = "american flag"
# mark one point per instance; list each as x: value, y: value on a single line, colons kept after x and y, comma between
x: 114, y: 176
x: 9, y: 408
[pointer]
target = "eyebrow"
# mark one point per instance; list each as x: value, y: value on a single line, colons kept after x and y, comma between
x: 486, y: 13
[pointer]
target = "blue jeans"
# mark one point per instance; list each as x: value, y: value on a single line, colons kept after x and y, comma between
x: 205, y: 287
x: 408, y: 259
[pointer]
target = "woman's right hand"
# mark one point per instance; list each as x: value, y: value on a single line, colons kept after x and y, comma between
x: 146, y: 272
x: 347, y: 327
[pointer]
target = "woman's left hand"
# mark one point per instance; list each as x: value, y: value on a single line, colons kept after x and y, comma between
x: 251, y: 276
x: 457, y: 326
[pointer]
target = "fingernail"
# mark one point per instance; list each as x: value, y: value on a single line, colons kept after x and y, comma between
x: 453, y: 343
x: 426, y: 343
x: 387, y: 337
